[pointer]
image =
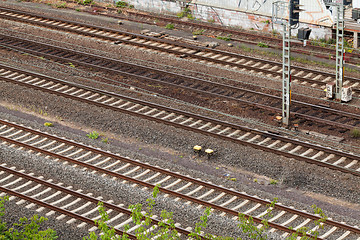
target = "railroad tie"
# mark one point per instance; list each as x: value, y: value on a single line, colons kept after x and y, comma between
x: 340, y: 161
x: 168, y: 116
x: 163, y: 180
x: 177, y: 118
x: 152, y: 177
x: 224, y: 130
x: 69, y: 90
x: 214, y: 128
x: 151, y: 111
x: 355, y: 84
x: 351, y: 164
x: 285, y: 146
x: 327, y: 79
x: 108, y: 100
x: 317, y: 155
x: 295, y: 149
x: 317, y: 77
x: 132, y: 107
x: 233, y: 133
x: 310, y: 150
x: 344, y: 235
x: 303, y: 224
x: 274, y: 143
x: 328, y: 158
x: 254, y: 138
x: 328, y: 233
x: 195, y: 123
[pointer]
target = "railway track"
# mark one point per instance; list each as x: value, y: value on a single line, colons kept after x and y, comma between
x: 236, y: 35
x: 267, y: 141
x: 306, y: 112
x: 66, y: 202
x: 265, y: 67
x: 228, y: 201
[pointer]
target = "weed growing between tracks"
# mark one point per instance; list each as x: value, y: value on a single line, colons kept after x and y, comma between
x: 355, y: 133
x: 93, y: 135
x: 166, y: 227
x: 169, y: 26
x: 26, y: 229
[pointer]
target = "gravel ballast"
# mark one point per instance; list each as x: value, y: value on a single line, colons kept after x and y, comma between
x: 298, y: 185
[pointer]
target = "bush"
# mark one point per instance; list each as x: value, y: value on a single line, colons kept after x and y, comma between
x: 166, y: 227
x: 186, y: 12
x: 122, y: 4
x: 26, y: 229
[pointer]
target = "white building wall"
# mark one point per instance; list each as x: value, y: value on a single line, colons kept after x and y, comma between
x: 316, y: 12
x: 356, y: 3
x: 246, y: 14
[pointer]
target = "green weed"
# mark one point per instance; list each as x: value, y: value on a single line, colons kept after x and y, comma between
x: 355, y: 133
x: 48, y: 124
x: 225, y: 38
x: 61, y: 5
x: 169, y: 26
x: 186, y: 12
x: 263, y: 45
x: 199, y: 32
x: 85, y: 2
x: 273, y: 181
x: 93, y: 135
x: 122, y: 4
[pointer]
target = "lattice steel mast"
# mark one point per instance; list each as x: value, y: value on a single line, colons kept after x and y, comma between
x: 278, y: 17
x: 340, y: 25
x: 286, y: 74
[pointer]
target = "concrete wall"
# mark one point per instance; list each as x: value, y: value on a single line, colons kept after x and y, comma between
x: 246, y: 14
x: 356, y: 4
x: 158, y: 6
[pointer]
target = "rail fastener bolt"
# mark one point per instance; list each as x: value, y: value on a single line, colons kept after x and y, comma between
x: 197, y: 149
x: 209, y: 152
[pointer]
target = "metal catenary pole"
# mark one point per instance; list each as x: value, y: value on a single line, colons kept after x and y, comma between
x: 286, y: 77
x: 339, y: 49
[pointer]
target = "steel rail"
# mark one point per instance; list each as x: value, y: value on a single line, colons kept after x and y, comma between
x: 184, y: 45
x: 57, y: 209
x: 157, y: 169
x: 83, y: 196
x: 189, y: 198
x: 259, y: 105
x: 226, y: 124
x: 161, y: 72
x: 213, y: 28
x: 210, y: 27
